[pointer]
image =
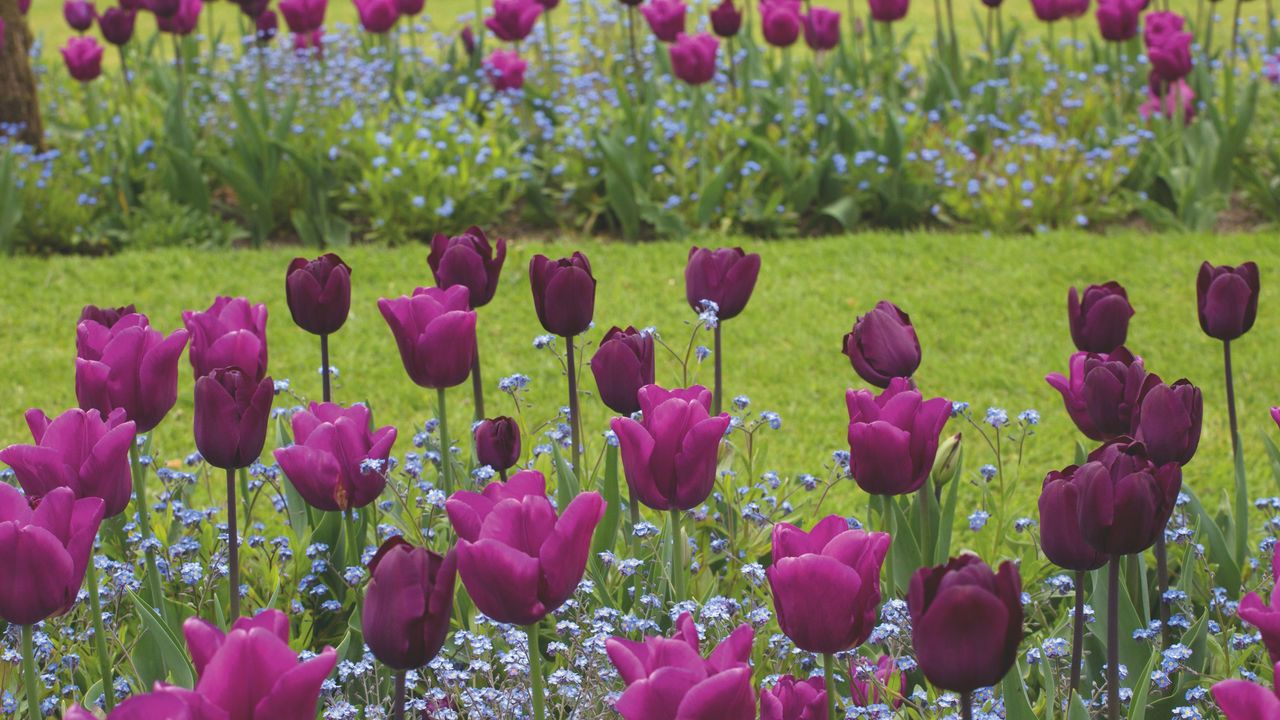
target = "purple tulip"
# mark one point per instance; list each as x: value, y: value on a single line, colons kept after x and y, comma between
x: 668, y: 677
x: 505, y: 70
x: 665, y: 18
x: 79, y: 14
x: 888, y: 10
x: 893, y: 437
x: 1275, y: 415
x: 670, y: 455
x: 822, y: 29
x: 1244, y: 700
x: 377, y: 16
x: 622, y: 365
x: 725, y: 276
x: 407, y: 603
x: 1167, y: 422
x: 966, y: 622
x: 251, y: 673
x: 1060, y: 535
x: 435, y: 330
x: 1072, y: 9
x: 1171, y: 100
x: 161, y: 8
x: 564, y: 293
x: 1103, y: 391
x: 304, y: 17
x: 518, y: 561
x: 1171, y: 58
x: 319, y: 293
x: 1118, y: 19
x: 1099, y: 319
x: 330, y: 461
x: 468, y: 259
x: 44, y: 552
x: 826, y: 583
x: 1227, y: 299
x: 726, y: 20
x: 1047, y: 10
x: 77, y: 450
x: 410, y: 8
x: 1125, y: 499
x: 883, y: 345
x: 693, y: 57
x: 513, y: 20
x: 266, y: 25
x: 107, y: 316
x: 1158, y: 25
x: 83, y: 56
x: 128, y: 365
x: 1266, y: 618
x: 184, y: 21
x: 231, y: 414
x: 792, y: 699
x: 497, y: 443
x: 780, y: 22
x: 468, y: 37
x: 231, y: 333
x: 869, y: 684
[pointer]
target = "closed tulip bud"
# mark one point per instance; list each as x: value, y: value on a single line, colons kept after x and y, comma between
x: 319, y: 293
x: 497, y: 443
x: 410, y: 8
x: 517, y: 559
x: 251, y: 8
x: 1167, y: 422
x: 1099, y: 318
x: 184, y: 21
x: 822, y: 28
x: 564, y: 293
x: 1118, y: 19
x: 1227, y: 299
x: 505, y: 70
x: 407, y: 603
x: 337, y: 460
x: 1125, y: 499
x: 893, y: 437
x: 1103, y: 391
x: 1275, y: 414
x: 231, y: 333
x: 726, y: 20
x: 665, y: 18
x: 44, y: 552
x: 888, y: 10
x: 251, y: 673
x: 725, y: 276
x: 1171, y: 58
x: 129, y: 366
x: 780, y: 22
x: 266, y: 25
x: 231, y: 414
x: 1060, y: 535
x: 304, y: 17
x: 83, y: 56
x: 668, y: 677
x: 377, y: 16
x: 468, y: 38
x: 513, y: 20
x: 1047, y: 10
x: 792, y: 699
x: 468, y: 259
x: 693, y: 57
x: 966, y: 622
x: 944, y: 470
x: 162, y: 8
x: 670, y: 455
x: 435, y: 331
x: 1266, y: 618
x: 869, y: 684
x: 622, y: 365
x: 883, y: 345
x: 826, y: 583
x: 116, y: 25
x: 79, y: 14
x: 77, y: 450
x: 1245, y: 700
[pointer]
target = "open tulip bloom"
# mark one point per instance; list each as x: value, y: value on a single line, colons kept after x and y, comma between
x: 124, y: 363
x: 337, y: 460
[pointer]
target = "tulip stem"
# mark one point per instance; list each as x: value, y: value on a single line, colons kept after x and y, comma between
x: 966, y: 705
x: 1162, y: 583
x: 324, y: 367
x: 1077, y: 633
x: 677, y: 558
x: 718, y: 401
x: 1113, y: 638
x: 152, y: 580
x: 1241, y: 520
x: 397, y: 707
x: 446, y: 457
x: 100, y: 636
x: 477, y: 387
x: 575, y: 430
x: 535, y: 672
x: 233, y: 546
x: 29, y: 672
x: 829, y: 678
x: 353, y: 543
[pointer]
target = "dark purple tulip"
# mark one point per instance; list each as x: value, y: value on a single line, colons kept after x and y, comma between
x: 163, y: 8
x: 407, y: 603
x: 1047, y: 10
x: 469, y: 260
x: 622, y: 365
x: 1072, y: 9
x: 725, y: 276
x: 780, y: 22
x: 410, y: 8
x: 252, y: 8
x: 1227, y: 299
x: 184, y: 21
x: 377, y: 16
x: 1265, y: 617
x: 1060, y: 535
x: 128, y: 365
x: 1171, y: 58
x: 44, y: 552
x: 468, y: 40
x: 893, y: 437
x: 822, y: 28
x: 23, y: 7
x: 319, y: 293
x: 668, y: 678
x: 83, y: 57
x: 1099, y: 318
x: 435, y: 330
x: 1167, y: 422
x: 826, y: 583
x: 497, y: 443
x: 79, y: 14
x: 564, y: 293
x: 1157, y: 25
x: 513, y: 20
x: 77, y: 450
x: 1125, y: 499
x: 966, y: 622
x: 304, y: 16
x: 1118, y: 19
x: 665, y: 18
x: 869, y: 684
x: 792, y: 699
x: 726, y: 20
x: 1103, y: 391
x: 327, y: 464
x: 231, y: 414
x: 883, y: 345
x: 231, y: 333
x: 266, y: 24
x: 888, y: 10
x: 670, y: 454
x: 107, y: 316
x: 693, y: 57
x: 517, y: 559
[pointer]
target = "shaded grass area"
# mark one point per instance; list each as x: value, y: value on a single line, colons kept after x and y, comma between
x: 990, y: 314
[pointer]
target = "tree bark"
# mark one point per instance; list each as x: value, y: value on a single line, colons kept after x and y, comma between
x: 19, y: 104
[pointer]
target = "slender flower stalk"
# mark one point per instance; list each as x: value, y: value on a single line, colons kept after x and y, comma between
x: 1242, y: 499
x: 397, y: 708
x: 233, y: 546
x: 1113, y: 638
x: 718, y: 399
x: 446, y: 457
x: 324, y: 368
x: 1162, y: 583
x: 100, y: 636
x: 677, y: 558
x: 1077, y: 633
x: 575, y: 428
x: 535, y: 672
x: 152, y: 580
x: 29, y: 672
x: 966, y: 705
x: 829, y: 679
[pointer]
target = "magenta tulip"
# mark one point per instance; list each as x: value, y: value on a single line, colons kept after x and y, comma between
x: 1099, y: 318
x: 231, y: 333
x: 377, y: 16
x: 1245, y: 700
x: 435, y: 330
x: 117, y: 24
x: 128, y: 365
x: 469, y: 259
x: 78, y: 450
x: 693, y: 57
x: 505, y: 71
x: 1103, y: 392
x: 184, y: 21
x: 726, y: 20
x: 1173, y: 100
x: 1118, y: 20
x: 231, y: 415
x: 622, y: 365
x: 407, y: 603
x: 335, y: 459
x: 665, y: 18
x: 79, y: 14
x: 792, y: 699
x: 1263, y: 616
x: 893, y: 437
x: 318, y: 293
x: 883, y: 345
x: 780, y: 22
x: 564, y: 293
x: 725, y: 276
x: 870, y: 684
x: 888, y: 10
x: 83, y: 56
x: 304, y: 17
x: 513, y: 20
x: 822, y: 28
x: 44, y: 552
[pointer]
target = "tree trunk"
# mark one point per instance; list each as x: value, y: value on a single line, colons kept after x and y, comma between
x: 19, y: 105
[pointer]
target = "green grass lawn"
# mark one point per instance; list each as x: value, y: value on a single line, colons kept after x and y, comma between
x: 990, y: 314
